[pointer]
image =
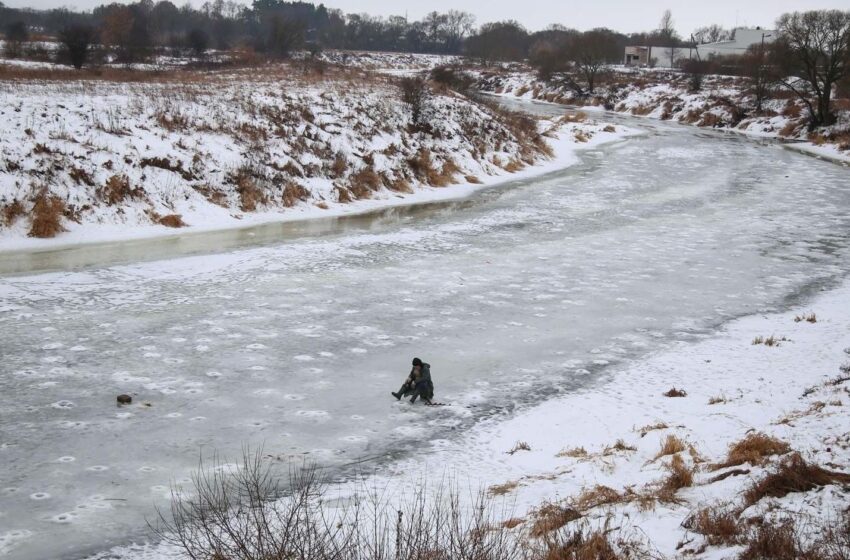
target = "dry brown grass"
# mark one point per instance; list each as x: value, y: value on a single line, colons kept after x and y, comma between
x: 343, y: 195
x: 676, y: 393
x: 502, y: 489
x: 117, y: 189
x: 172, y: 221
x: 293, y: 193
x: 519, y: 446
x: 597, y: 496
x: 671, y: 445
x: 13, y: 211
x: 807, y: 317
x: 793, y: 475
x: 573, y: 453
x: 513, y: 166
x: 589, y: 543
x: 790, y: 129
x: 651, y: 428
x: 717, y: 400
x: 512, y: 523
x: 771, y: 341
x: 610, y: 128
x: 619, y: 446
x: 753, y: 449
x: 773, y: 542
x: 718, y: 525
x: 551, y: 517
x: 680, y: 476
x: 46, y: 215
x: 81, y: 176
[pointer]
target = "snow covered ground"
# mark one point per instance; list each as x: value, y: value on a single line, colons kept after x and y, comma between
x: 666, y: 96
x: 547, y: 287
x: 119, y: 160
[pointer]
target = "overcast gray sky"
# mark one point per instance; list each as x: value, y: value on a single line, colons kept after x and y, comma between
x: 621, y: 15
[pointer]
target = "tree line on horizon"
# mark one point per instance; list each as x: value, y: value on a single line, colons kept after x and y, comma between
x: 810, y: 54
x: 277, y: 27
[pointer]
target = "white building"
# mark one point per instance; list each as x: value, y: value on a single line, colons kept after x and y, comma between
x: 671, y: 57
x: 742, y: 40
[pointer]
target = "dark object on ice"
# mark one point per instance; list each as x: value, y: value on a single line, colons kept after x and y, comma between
x: 676, y: 393
x: 125, y: 399
x: 418, y: 384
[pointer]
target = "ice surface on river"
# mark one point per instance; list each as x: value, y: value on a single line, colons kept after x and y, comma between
x: 520, y: 292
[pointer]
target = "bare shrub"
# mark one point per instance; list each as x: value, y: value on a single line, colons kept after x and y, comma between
x: 117, y: 189
x: 753, y: 449
x: 250, y: 513
x: 794, y: 475
x: 364, y: 182
x: 46, y: 215
x: 293, y: 193
x: 414, y: 94
x: 676, y: 393
x: 172, y: 221
x: 12, y: 211
x: 251, y: 196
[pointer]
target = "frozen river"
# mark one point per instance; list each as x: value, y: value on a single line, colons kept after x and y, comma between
x: 520, y: 292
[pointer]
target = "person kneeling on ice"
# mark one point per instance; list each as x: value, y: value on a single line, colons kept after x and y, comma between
x: 418, y: 384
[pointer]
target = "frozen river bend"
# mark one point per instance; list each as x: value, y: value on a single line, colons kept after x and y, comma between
x: 520, y: 292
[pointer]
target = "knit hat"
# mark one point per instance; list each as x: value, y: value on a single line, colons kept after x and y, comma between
x: 417, y: 362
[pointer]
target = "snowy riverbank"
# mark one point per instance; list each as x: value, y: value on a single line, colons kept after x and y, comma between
x: 611, y: 435
x: 127, y: 161
x: 599, y: 455
x: 722, y: 103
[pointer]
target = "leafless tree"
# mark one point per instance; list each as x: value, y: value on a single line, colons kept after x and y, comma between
x: 756, y: 66
x: 813, y: 51
x: 711, y: 34
x: 76, y: 41
x: 414, y: 94
x: 591, y: 51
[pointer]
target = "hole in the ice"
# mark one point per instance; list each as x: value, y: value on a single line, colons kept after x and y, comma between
x: 66, y: 459
x: 63, y: 404
x: 98, y: 468
x: 40, y: 496
x: 146, y: 469
x: 256, y: 346
x: 213, y: 374
x: 63, y: 518
x: 294, y: 397
x: 174, y: 415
